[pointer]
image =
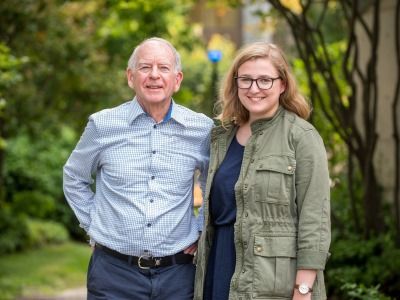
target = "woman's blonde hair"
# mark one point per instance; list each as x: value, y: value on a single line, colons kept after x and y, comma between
x: 231, y: 108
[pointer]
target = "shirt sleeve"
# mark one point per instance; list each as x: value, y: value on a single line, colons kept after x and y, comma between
x: 78, y: 174
x: 313, y: 202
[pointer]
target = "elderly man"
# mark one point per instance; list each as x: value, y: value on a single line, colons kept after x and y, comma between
x: 143, y: 155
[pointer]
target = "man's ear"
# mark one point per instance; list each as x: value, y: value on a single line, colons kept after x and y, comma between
x: 179, y: 78
x: 130, y: 77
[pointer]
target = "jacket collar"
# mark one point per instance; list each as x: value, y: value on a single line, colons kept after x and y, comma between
x: 266, y: 122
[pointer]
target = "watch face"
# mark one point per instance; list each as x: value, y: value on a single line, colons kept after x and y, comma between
x: 303, y: 289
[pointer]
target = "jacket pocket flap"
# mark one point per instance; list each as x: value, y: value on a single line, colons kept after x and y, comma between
x: 276, y: 246
x: 277, y: 163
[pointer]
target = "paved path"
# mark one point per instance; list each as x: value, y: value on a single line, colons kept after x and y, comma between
x: 72, y: 294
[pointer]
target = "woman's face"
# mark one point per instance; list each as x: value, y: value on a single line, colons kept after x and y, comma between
x: 260, y: 98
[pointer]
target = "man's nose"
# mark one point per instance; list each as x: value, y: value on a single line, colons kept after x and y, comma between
x: 154, y: 72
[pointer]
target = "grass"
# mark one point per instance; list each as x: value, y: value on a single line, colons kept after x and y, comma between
x: 44, y: 271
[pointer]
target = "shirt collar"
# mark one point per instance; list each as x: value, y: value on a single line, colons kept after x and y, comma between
x: 174, y: 112
x: 135, y: 110
x: 178, y: 114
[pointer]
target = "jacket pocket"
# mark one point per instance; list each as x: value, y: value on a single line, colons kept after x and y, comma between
x: 274, y: 178
x: 274, y: 266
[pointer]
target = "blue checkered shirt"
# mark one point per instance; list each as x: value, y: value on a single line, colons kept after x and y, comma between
x: 144, y: 177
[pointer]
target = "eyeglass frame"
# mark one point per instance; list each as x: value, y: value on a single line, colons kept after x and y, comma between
x: 256, y: 80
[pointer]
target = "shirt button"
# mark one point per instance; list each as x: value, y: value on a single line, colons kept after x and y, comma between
x: 153, y: 177
x: 151, y: 200
x: 154, y: 151
x: 154, y: 126
x: 148, y: 225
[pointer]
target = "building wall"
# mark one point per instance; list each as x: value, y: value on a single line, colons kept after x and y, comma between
x: 239, y: 25
x: 218, y: 19
x: 387, y: 71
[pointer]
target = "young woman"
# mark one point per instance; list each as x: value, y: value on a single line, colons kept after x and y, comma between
x: 267, y: 205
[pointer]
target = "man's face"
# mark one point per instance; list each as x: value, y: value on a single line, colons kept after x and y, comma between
x: 154, y: 77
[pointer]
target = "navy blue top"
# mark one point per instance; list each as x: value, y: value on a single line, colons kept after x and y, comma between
x: 221, y: 262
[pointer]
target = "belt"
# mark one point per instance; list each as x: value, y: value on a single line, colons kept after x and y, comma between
x: 146, y: 261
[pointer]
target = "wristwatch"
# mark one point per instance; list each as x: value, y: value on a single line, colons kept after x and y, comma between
x: 303, y: 288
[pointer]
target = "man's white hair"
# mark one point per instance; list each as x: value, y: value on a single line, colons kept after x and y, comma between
x: 133, y: 59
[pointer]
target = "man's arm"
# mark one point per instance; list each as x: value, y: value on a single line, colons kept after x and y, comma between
x: 77, y: 177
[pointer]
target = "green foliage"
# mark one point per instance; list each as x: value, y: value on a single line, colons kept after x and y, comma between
x: 354, y: 291
x: 33, y: 204
x: 18, y: 232
x: 126, y: 23
x: 365, y: 266
x: 9, y: 66
x: 13, y: 231
x: 34, y: 176
x: 36, y: 164
x: 42, y: 233
x: 195, y: 91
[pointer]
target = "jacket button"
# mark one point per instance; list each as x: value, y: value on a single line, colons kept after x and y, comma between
x: 258, y: 248
x: 290, y: 168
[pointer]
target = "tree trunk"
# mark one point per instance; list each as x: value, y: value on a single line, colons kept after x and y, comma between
x: 395, y: 122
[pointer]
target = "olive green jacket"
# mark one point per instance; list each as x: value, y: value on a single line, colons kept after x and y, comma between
x: 283, y: 209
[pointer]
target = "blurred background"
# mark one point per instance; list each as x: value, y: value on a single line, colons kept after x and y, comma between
x: 60, y: 61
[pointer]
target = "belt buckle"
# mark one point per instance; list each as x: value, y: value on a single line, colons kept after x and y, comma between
x: 157, y: 262
x: 140, y: 259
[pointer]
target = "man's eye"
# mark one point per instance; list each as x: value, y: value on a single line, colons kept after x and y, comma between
x: 164, y: 69
x: 144, y: 68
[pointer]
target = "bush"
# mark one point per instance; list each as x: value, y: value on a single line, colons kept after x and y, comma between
x: 13, y: 231
x: 355, y: 291
x: 364, y: 269
x: 17, y: 232
x: 41, y: 233
x: 33, y: 204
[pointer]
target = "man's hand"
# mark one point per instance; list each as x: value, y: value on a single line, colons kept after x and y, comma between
x: 191, y: 249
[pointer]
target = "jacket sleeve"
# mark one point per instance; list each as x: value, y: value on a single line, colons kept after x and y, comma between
x: 205, y: 160
x: 77, y: 176
x: 313, y: 202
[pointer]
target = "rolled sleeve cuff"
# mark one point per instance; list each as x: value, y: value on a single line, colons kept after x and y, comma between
x: 314, y: 260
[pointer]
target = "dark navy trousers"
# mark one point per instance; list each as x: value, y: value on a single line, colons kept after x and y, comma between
x: 114, y: 279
